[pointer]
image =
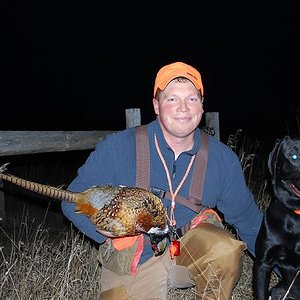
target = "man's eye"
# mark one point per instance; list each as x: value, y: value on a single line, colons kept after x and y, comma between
x: 171, y: 99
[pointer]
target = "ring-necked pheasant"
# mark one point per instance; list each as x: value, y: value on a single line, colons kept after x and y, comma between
x: 116, y: 211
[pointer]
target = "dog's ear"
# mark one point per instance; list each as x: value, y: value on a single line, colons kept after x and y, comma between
x: 273, y: 157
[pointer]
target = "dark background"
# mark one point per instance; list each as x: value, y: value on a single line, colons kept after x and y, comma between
x: 76, y: 65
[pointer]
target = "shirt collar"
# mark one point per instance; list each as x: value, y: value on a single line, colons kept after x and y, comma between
x: 163, y: 144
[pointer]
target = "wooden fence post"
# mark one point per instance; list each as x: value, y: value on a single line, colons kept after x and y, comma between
x: 133, y: 117
x: 212, y: 123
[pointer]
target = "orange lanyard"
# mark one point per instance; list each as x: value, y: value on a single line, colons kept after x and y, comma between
x: 173, y: 194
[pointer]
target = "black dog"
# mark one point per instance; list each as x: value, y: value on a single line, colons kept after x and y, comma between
x: 278, y: 242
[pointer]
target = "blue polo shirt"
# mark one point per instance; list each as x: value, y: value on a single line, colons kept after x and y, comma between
x: 114, y: 162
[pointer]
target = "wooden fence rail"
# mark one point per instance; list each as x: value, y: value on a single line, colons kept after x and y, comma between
x: 31, y: 142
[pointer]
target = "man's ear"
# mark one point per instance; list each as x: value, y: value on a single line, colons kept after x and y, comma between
x: 155, y: 106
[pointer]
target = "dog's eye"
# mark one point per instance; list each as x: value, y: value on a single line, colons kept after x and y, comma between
x: 294, y: 156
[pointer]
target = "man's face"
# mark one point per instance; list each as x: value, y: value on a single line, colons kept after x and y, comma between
x: 179, y: 108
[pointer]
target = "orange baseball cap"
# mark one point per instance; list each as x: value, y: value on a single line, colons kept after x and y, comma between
x: 177, y: 69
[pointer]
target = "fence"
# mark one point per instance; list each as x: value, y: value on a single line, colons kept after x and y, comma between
x: 31, y: 142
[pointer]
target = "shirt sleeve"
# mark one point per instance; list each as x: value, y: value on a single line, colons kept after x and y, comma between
x: 90, y: 174
x: 238, y: 205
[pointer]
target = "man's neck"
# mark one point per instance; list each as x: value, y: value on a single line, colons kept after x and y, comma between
x: 179, y: 145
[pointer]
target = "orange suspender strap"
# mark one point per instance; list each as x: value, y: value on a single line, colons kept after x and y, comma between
x: 198, y: 176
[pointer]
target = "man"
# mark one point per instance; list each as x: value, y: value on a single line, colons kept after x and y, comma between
x: 210, y: 257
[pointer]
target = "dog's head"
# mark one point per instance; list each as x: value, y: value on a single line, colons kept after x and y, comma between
x: 284, y: 166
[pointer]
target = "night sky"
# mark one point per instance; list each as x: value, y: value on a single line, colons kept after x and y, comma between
x: 77, y: 65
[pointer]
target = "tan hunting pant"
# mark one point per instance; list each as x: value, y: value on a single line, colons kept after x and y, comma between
x: 210, y: 260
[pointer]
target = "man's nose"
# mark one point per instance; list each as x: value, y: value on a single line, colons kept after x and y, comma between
x: 182, y: 106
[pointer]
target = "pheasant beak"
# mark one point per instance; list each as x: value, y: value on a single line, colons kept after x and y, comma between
x: 158, y: 243
x: 159, y: 239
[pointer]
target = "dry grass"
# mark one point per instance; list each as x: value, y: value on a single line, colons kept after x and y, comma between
x: 35, y: 266
x: 39, y: 269
x: 67, y: 268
